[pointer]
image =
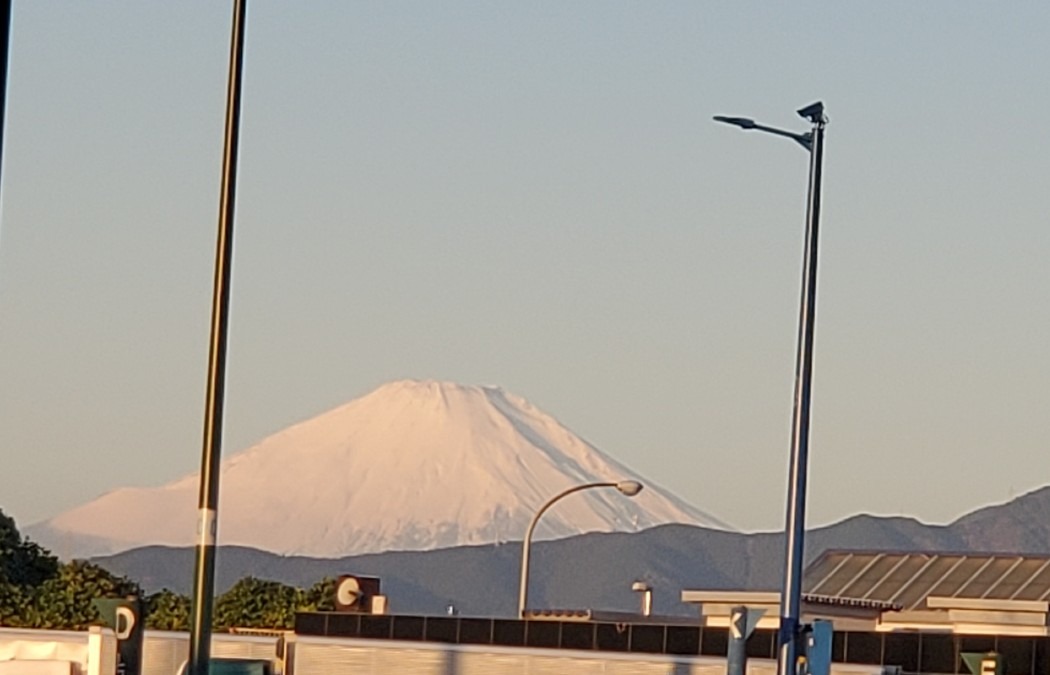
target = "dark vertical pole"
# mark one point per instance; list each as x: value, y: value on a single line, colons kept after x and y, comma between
x: 736, y: 650
x: 204, y: 578
x: 790, y: 600
x: 5, y: 48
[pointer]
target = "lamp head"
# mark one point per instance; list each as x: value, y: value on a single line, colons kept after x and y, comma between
x: 742, y: 122
x: 629, y: 487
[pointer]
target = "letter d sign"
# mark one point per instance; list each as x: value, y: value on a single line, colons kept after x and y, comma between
x: 123, y: 617
x: 125, y: 623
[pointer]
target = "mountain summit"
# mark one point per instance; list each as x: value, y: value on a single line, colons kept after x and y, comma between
x: 414, y: 465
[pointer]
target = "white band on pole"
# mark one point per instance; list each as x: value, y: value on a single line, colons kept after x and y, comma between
x: 206, y: 527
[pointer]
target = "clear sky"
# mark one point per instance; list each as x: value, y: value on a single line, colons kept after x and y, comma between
x: 534, y: 195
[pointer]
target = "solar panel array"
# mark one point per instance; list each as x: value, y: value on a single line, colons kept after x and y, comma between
x: 907, y: 579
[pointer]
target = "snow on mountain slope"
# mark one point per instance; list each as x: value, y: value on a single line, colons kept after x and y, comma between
x: 413, y: 465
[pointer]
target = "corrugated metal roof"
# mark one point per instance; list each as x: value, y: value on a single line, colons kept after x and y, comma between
x: 907, y: 579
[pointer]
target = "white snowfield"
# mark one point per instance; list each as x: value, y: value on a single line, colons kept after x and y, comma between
x: 414, y: 465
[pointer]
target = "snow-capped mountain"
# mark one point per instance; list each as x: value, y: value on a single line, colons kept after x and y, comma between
x: 413, y: 465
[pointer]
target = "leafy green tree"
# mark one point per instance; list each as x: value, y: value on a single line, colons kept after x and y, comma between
x: 66, y: 600
x: 318, y: 598
x: 13, y: 604
x: 22, y: 562
x: 24, y: 565
x: 257, y: 603
x: 168, y: 610
x: 36, y: 591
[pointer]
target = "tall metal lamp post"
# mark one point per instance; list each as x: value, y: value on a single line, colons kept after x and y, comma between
x: 5, y: 48
x: 211, y: 454
x: 627, y: 487
x: 790, y: 601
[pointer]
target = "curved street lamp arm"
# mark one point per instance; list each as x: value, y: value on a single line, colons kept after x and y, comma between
x: 805, y: 140
x: 523, y: 588
x: 564, y: 493
x: 748, y: 124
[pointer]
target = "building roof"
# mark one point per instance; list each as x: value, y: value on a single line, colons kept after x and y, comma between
x: 907, y: 579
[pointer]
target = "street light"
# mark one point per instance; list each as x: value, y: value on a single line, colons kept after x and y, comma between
x: 795, y: 527
x: 627, y: 487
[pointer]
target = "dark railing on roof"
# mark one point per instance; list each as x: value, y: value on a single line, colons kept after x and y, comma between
x: 912, y: 652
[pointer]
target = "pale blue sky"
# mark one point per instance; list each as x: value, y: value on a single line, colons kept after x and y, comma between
x: 533, y: 195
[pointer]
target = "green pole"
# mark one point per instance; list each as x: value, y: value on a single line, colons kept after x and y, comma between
x: 208, y: 504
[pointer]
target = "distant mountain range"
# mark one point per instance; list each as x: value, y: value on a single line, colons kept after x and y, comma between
x: 444, y: 474
x: 596, y: 570
x: 413, y: 465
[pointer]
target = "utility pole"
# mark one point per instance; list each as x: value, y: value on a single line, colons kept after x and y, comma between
x: 208, y: 504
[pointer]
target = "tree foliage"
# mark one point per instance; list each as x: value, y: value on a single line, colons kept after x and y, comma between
x: 67, y: 599
x: 22, y: 562
x: 257, y: 603
x: 250, y: 603
x: 24, y: 565
x: 320, y: 597
x: 13, y: 604
x: 167, y: 610
x: 37, y: 591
